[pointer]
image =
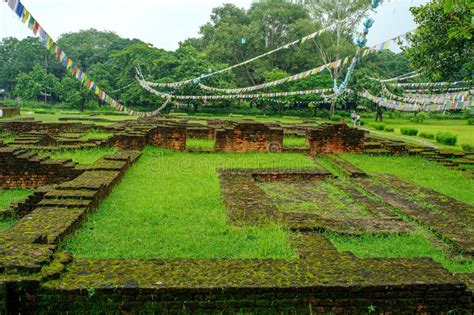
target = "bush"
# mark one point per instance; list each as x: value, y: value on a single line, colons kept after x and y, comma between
x: 336, y: 118
x: 389, y: 129
x: 419, y: 118
x: 409, y: 131
x: 468, y: 148
x: 470, y: 121
x: 427, y: 135
x: 446, y: 138
x: 380, y: 127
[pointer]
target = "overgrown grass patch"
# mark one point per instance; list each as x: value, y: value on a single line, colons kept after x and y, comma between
x: 9, y: 196
x: 398, y: 246
x: 87, y: 156
x: 96, y: 134
x: 294, y: 142
x: 200, y: 144
x: 169, y: 205
x: 420, y: 172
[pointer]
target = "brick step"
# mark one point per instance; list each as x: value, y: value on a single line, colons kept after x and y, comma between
x: 376, y: 151
x: 372, y: 145
x: 65, y: 203
x: 27, y: 155
x: 19, y: 152
x: 71, y: 194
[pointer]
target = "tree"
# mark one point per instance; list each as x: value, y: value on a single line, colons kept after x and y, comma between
x: 431, y: 49
x: 345, y: 15
x: 21, y: 57
x: 461, y: 14
x: 30, y: 85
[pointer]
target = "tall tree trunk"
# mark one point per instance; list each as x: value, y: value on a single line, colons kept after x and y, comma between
x: 378, y: 115
x: 332, y: 110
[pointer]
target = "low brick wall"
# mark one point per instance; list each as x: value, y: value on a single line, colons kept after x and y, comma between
x: 249, y: 137
x: 171, y: 136
x: 335, y: 138
x: 9, y: 111
x: 19, y: 168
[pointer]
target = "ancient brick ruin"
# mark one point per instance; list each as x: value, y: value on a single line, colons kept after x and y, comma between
x: 6, y: 111
x: 20, y: 168
x: 249, y: 137
x: 335, y: 138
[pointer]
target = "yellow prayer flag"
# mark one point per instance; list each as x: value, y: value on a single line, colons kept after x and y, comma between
x: 97, y: 90
x: 26, y: 16
x: 69, y: 64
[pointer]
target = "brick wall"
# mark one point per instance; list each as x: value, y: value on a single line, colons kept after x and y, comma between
x: 335, y: 138
x: 19, y: 168
x: 248, y: 137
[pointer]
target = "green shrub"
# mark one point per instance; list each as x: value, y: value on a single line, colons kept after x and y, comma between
x: 470, y: 121
x: 336, y: 118
x: 409, y: 131
x: 446, y: 138
x: 427, y: 135
x: 419, y: 118
x: 380, y: 127
x: 468, y: 148
x: 389, y: 129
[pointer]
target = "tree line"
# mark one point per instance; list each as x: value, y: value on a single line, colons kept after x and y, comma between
x: 233, y: 35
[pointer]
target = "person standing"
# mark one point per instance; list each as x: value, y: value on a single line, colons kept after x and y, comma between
x: 354, y: 118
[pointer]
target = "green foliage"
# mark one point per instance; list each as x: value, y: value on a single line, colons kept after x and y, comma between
x: 446, y: 138
x: 389, y: 129
x: 461, y: 15
x: 419, y: 118
x: 434, y: 49
x: 470, y: 122
x: 380, y: 127
x: 336, y: 118
x: 409, y: 131
x: 427, y: 135
x: 30, y: 85
x: 468, y: 148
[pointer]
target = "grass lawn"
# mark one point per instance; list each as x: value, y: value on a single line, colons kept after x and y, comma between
x: 7, y: 197
x: 398, y: 246
x: 95, y: 134
x: 294, y: 142
x: 200, y: 144
x: 169, y: 206
x: 7, y: 137
x: 88, y: 156
x: 419, y: 171
x: 460, y: 128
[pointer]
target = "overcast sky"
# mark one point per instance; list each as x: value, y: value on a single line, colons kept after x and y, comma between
x: 164, y: 23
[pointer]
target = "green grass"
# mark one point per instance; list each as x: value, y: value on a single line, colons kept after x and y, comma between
x: 87, y: 156
x: 7, y: 197
x: 169, y: 205
x: 420, y: 172
x: 294, y: 142
x: 200, y: 144
x: 460, y: 128
x: 7, y: 137
x: 398, y: 246
x: 96, y: 134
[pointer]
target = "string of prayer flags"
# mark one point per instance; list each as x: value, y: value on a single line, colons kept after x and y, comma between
x: 26, y: 17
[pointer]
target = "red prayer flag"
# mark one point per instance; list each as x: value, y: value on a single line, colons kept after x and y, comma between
x: 36, y: 28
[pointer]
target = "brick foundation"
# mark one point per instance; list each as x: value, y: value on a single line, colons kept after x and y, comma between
x: 335, y: 138
x: 249, y: 136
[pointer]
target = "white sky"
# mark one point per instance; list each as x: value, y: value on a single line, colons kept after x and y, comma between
x: 164, y: 23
